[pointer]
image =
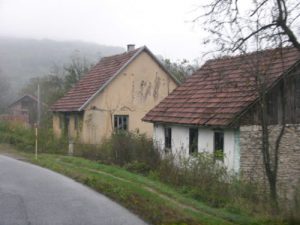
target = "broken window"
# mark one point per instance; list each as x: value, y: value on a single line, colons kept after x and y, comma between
x: 121, y: 122
x: 168, y: 138
x: 219, y: 145
x: 193, y: 140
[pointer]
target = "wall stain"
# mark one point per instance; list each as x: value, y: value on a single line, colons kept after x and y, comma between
x: 156, y: 87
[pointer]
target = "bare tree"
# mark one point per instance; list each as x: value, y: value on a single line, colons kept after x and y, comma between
x: 180, y: 69
x: 238, y: 27
x: 231, y: 24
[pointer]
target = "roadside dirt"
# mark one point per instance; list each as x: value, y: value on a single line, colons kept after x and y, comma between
x: 7, y: 150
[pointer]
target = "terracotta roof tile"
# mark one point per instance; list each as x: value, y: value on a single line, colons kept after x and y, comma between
x: 92, y: 82
x: 221, y: 89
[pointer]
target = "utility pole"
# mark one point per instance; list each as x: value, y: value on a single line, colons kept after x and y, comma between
x: 38, y: 105
x: 38, y: 121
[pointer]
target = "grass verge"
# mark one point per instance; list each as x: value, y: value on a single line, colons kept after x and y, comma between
x: 152, y: 200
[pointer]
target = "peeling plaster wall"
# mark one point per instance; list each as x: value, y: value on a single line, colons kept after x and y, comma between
x: 58, y: 131
x: 141, y: 86
x: 180, y: 143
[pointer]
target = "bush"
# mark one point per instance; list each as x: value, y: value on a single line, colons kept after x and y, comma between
x: 24, y: 138
x: 199, y: 177
x: 138, y: 167
x: 124, y: 149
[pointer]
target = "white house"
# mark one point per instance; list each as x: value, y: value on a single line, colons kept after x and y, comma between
x: 189, y: 139
x: 216, y: 110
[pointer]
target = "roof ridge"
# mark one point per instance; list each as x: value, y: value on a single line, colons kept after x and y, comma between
x: 198, y: 92
x: 121, y: 54
x: 265, y: 51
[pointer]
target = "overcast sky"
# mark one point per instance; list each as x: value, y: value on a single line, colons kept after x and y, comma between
x: 163, y: 25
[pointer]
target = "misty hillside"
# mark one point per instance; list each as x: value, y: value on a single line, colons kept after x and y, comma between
x: 21, y: 59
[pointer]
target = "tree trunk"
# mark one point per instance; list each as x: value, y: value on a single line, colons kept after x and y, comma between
x: 270, y: 163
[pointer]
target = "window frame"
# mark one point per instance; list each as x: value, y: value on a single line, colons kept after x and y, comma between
x: 219, y: 153
x: 168, y: 138
x: 119, y: 121
x: 193, y: 147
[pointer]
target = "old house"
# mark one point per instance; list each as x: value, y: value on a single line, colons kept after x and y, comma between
x: 216, y: 111
x: 24, y: 110
x: 114, y: 95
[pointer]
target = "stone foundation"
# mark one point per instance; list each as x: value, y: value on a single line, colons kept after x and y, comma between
x: 289, y: 156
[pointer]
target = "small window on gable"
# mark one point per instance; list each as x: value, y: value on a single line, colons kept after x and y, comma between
x: 168, y: 138
x: 219, y: 145
x: 121, y: 122
x: 193, y: 147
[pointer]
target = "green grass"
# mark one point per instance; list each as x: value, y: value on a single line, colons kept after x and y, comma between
x: 152, y: 200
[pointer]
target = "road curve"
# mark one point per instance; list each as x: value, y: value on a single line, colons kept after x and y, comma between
x: 31, y: 195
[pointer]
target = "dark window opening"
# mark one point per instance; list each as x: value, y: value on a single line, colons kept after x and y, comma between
x: 168, y: 138
x: 121, y: 122
x: 64, y: 121
x: 219, y: 145
x: 193, y: 140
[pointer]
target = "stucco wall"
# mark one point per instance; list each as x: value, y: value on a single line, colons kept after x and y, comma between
x: 289, y: 157
x: 180, y: 143
x: 56, y: 124
x: 73, y: 132
x: 141, y: 86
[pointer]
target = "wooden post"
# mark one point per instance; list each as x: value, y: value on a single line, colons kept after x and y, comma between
x: 71, y: 147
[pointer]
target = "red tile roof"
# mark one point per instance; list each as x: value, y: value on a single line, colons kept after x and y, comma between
x: 222, y: 88
x: 97, y: 79
x: 34, y: 98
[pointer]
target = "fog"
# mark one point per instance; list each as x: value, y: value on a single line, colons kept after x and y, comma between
x: 164, y: 26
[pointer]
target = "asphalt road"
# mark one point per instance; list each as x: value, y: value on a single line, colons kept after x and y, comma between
x: 31, y: 195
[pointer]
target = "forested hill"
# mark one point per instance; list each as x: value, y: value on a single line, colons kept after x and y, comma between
x: 21, y: 59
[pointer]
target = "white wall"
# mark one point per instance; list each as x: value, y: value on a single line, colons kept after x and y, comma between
x: 205, y: 140
x: 180, y: 140
x: 180, y: 143
x: 159, y: 136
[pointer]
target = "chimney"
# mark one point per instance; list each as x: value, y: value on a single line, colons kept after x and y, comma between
x: 130, y: 47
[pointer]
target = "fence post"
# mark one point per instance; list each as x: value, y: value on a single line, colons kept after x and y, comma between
x: 71, y: 147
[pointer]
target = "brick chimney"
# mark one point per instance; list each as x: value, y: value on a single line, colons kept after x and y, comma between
x: 130, y: 47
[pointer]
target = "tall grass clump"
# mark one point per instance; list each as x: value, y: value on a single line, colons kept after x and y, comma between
x: 23, y: 138
x: 134, y: 151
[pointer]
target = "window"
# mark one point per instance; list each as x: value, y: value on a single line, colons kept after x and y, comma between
x: 219, y: 145
x: 193, y: 140
x: 168, y: 138
x: 121, y: 122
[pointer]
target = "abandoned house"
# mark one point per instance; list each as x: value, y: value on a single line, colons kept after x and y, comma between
x: 114, y: 95
x: 216, y: 111
x: 24, y: 110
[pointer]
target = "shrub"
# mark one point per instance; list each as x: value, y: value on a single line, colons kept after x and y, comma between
x: 126, y: 149
x: 24, y: 138
x: 198, y: 176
